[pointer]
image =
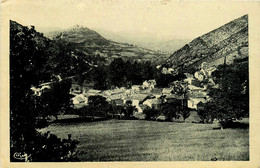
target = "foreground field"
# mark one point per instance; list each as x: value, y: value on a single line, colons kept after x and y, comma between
x: 140, y: 140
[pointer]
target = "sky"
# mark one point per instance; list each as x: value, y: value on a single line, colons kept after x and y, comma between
x: 154, y: 18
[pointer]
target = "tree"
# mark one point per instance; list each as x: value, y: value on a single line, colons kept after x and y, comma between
x: 146, y: 71
x: 181, y: 89
x: 185, y: 113
x: 129, y: 73
x: 129, y: 109
x: 163, y: 80
x: 100, y: 78
x: 231, y: 99
x: 205, y: 112
x: 117, y: 72
x: 137, y: 78
x: 57, y: 99
x: 30, y: 65
x: 97, y: 106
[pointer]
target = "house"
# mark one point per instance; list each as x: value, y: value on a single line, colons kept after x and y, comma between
x: 166, y: 91
x: 119, y: 90
x: 210, y: 70
x: 170, y: 70
x: 149, y: 84
x: 152, y: 83
x: 115, y: 97
x: 167, y: 70
x: 199, y: 75
x: 136, y: 88
x: 157, y: 92
x: 128, y: 92
x: 195, y: 88
x: 75, y: 89
x: 79, y: 100
x: 92, y: 92
x: 195, y: 97
x: 152, y: 103
x: 205, y: 72
x: 193, y: 102
x: 189, y: 78
x: 138, y: 99
x: 173, y: 98
x: 107, y: 93
x: 146, y: 84
x: 118, y: 102
x: 137, y: 105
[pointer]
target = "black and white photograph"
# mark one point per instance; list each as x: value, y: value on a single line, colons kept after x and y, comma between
x: 128, y: 81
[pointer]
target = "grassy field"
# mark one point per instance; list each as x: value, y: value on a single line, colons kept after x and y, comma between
x: 140, y: 140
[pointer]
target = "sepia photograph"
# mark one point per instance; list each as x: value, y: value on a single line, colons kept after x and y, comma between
x: 128, y: 81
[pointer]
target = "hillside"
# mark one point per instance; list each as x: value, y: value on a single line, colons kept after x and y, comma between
x: 92, y: 43
x: 229, y: 40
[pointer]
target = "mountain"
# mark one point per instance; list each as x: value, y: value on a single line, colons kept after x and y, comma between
x: 167, y: 44
x: 79, y: 35
x: 91, y: 43
x: 229, y: 40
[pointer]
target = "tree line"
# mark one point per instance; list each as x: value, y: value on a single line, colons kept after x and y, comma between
x: 125, y: 73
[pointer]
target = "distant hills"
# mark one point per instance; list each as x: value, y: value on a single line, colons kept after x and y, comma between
x: 229, y: 40
x: 154, y: 41
x: 92, y: 43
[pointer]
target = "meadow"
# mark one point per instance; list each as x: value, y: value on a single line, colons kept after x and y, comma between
x: 141, y: 140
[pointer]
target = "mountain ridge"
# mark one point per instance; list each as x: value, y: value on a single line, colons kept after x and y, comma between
x: 92, y: 43
x: 229, y: 40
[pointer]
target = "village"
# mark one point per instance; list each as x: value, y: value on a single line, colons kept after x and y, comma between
x: 75, y: 94
x: 192, y: 90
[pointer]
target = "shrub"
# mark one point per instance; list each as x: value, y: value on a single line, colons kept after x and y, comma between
x: 129, y: 109
x: 185, y: 113
x: 205, y: 112
x: 170, y: 111
x: 97, y: 106
x: 151, y: 113
x: 45, y: 147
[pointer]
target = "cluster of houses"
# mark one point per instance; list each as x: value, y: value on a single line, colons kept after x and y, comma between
x: 149, y: 95
x: 146, y: 94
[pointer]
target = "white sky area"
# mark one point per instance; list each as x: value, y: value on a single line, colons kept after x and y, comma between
x: 154, y: 18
